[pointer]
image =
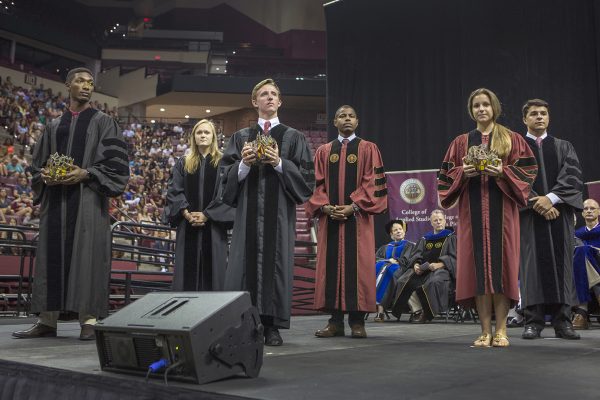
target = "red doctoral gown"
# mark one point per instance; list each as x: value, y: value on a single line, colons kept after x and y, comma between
x: 345, y: 174
x: 488, y: 218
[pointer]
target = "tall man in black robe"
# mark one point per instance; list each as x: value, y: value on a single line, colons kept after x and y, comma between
x: 266, y: 193
x: 546, y: 271
x: 72, y: 265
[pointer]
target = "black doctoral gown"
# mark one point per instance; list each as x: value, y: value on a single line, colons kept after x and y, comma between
x: 432, y: 287
x: 73, y: 259
x: 261, y: 258
x: 200, y: 253
x: 546, y: 270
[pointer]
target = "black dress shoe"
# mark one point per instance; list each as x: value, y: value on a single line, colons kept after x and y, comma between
x: 87, y: 332
x: 358, y: 331
x: 36, y: 331
x: 330, y: 330
x: 272, y: 337
x: 567, y: 332
x: 531, y: 332
x: 420, y: 318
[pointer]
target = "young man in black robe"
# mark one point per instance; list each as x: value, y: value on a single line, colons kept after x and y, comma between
x: 266, y: 193
x: 72, y: 265
x: 546, y: 271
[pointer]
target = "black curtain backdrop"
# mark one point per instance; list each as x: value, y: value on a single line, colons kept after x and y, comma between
x: 408, y: 67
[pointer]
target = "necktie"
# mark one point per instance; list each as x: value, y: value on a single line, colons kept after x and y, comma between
x: 538, y: 141
x: 345, y: 142
x: 267, y: 128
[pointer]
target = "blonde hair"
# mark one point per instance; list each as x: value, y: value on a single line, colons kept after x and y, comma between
x: 501, y: 137
x: 192, y: 159
x: 268, y: 81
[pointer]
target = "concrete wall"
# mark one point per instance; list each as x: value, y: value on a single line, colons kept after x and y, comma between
x: 187, y: 57
x: 108, y: 81
x: 135, y: 87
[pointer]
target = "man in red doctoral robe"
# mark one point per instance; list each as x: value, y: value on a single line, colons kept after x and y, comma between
x: 350, y: 188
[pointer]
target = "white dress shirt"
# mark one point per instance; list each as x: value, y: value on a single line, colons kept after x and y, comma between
x: 553, y: 198
x: 243, y: 169
x: 350, y: 138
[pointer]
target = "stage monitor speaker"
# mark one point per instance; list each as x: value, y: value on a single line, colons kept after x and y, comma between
x: 196, y: 337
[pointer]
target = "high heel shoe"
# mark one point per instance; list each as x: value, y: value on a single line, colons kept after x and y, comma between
x: 485, y: 340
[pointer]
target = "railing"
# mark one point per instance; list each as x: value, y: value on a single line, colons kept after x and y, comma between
x: 20, y: 242
x: 138, y: 265
x: 149, y: 249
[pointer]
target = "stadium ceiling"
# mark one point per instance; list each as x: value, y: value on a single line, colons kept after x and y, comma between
x: 277, y: 15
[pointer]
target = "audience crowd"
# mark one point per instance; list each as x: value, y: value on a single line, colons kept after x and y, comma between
x: 153, y: 150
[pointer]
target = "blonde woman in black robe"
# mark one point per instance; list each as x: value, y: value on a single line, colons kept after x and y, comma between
x: 201, y: 219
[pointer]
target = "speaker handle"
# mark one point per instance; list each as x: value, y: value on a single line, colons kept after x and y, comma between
x: 242, y: 344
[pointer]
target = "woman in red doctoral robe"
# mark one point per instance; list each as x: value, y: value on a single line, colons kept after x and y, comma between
x: 488, y: 222
x: 348, y: 171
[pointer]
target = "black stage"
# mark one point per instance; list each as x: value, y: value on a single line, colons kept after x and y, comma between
x: 397, y: 361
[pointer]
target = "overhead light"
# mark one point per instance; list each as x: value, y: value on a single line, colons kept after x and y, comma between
x: 187, y: 116
x: 162, y: 109
x: 218, y: 69
x: 233, y: 52
x: 152, y: 121
x: 117, y: 24
x: 123, y: 35
x: 226, y: 62
x: 207, y: 110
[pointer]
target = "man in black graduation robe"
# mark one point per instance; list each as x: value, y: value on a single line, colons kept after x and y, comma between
x: 430, y: 276
x: 266, y: 193
x: 546, y: 270
x: 72, y: 265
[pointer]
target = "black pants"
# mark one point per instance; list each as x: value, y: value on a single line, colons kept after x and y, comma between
x: 354, y: 318
x: 561, y: 315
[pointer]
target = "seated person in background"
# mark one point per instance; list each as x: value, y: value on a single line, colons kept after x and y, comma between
x: 23, y: 186
x: 5, y: 201
x: 431, y: 271
x: 14, y: 168
x: 22, y: 205
x: 586, y: 263
x: 3, y: 163
x: 390, y: 258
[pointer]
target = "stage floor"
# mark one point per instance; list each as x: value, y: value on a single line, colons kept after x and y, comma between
x: 398, y: 361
